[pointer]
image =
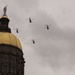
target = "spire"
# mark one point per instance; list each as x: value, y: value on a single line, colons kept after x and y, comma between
x: 4, y: 21
x: 4, y: 10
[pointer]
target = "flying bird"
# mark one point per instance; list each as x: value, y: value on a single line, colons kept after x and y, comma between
x: 33, y: 41
x: 47, y: 27
x: 30, y: 20
x: 17, y: 30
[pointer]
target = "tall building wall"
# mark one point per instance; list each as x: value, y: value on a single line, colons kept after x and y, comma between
x: 11, y: 54
x: 11, y: 60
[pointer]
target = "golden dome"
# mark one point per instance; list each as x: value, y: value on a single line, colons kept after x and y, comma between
x: 10, y: 39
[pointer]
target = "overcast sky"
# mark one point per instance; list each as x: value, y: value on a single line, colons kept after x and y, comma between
x: 54, y: 51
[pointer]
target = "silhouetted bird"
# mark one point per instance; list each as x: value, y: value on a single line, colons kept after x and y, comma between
x: 47, y: 27
x: 30, y: 20
x: 17, y: 30
x: 33, y: 41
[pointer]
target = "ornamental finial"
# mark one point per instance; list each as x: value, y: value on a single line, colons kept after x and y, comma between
x: 4, y: 10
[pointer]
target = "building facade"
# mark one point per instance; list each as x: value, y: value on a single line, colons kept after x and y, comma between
x: 11, y: 54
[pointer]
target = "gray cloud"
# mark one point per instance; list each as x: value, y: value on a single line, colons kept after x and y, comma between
x: 56, y: 46
x: 27, y: 5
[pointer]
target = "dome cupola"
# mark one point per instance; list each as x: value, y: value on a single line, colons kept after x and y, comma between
x: 5, y: 32
x: 4, y: 21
